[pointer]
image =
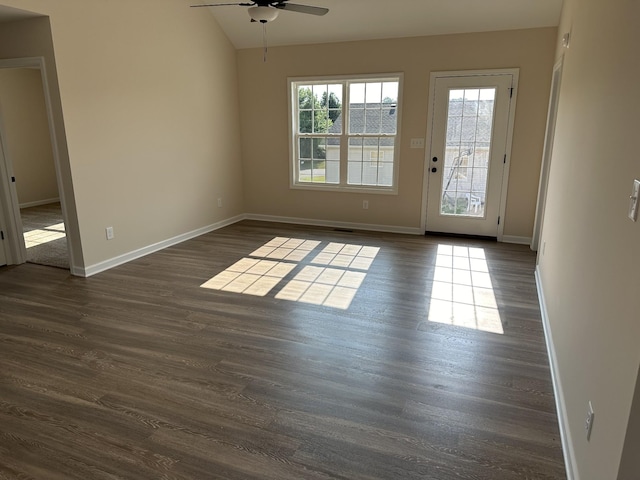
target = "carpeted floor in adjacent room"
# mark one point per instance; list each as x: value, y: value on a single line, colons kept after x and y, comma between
x: 44, y: 235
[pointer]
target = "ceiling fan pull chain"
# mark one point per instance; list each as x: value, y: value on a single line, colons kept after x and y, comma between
x: 264, y: 42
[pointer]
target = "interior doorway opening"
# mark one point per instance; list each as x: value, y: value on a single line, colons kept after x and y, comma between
x: 29, y: 155
x: 32, y: 207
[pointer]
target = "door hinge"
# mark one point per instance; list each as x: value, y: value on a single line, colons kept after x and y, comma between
x: 1, y: 235
x: 505, y: 159
x: 498, y: 220
x: 511, y: 92
x: 13, y: 179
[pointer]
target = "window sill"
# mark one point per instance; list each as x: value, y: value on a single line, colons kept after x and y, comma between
x: 345, y: 188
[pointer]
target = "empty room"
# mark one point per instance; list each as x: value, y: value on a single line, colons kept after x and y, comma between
x: 354, y: 239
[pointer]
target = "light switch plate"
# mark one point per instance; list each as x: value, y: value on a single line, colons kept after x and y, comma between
x: 417, y: 143
x: 634, y: 198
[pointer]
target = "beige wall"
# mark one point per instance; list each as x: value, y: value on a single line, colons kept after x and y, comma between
x: 263, y: 103
x: 589, y: 268
x: 151, y: 118
x: 27, y: 137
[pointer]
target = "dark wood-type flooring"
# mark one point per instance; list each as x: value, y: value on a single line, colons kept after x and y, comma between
x: 139, y: 373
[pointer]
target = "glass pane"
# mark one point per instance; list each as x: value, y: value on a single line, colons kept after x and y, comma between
x: 354, y: 173
x: 372, y: 120
x: 304, y: 97
x: 369, y: 174
x: 305, y: 148
x: 321, y: 122
x: 318, y: 171
x: 390, y: 92
x: 333, y: 149
x: 319, y: 91
x: 304, y: 123
x: 355, y: 150
x: 479, y: 179
x: 389, y: 121
x: 356, y: 120
x: 332, y: 171
x: 471, y: 97
x: 469, y: 130
x: 319, y: 151
x: 468, y: 133
x: 385, y: 174
x: 373, y: 93
x: 356, y: 94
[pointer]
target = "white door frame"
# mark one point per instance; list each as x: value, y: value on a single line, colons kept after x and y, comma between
x: 8, y: 196
x: 549, y: 137
x: 515, y: 72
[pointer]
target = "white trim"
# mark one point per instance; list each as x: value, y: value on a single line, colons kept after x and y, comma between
x: 516, y: 239
x: 331, y: 223
x: 561, y: 406
x: 508, y: 148
x: 545, y: 167
x: 37, y: 203
x: 141, y: 252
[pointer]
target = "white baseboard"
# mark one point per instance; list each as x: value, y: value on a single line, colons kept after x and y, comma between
x: 516, y: 239
x: 37, y: 203
x: 127, y: 257
x: 331, y: 223
x: 561, y: 406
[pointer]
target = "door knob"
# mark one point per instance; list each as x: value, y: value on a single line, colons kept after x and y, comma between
x: 434, y: 169
x: 434, y: 159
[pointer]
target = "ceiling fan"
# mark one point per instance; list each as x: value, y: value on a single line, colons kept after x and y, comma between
x: 264, y: 11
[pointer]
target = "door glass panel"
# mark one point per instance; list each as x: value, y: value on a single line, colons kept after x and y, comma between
x: 468, y: 146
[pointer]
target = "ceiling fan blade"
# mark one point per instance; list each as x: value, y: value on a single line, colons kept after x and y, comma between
x: 222, y: 5
x: 293, y: 7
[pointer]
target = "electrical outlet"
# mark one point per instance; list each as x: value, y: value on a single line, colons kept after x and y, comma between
x: 365, y: 204
x: 109, y: 231
x: 588, y: 424
x: 220, y: 202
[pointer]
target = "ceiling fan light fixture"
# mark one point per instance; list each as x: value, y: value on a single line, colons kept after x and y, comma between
x: 263, y: 14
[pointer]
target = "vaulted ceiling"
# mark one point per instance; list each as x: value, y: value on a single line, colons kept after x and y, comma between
x: 374, y: 19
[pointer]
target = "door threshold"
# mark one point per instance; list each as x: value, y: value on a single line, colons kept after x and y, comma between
x: 461, y: 235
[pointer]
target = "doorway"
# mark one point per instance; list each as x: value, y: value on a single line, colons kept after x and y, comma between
x: 41, y: 182
x: 29, y: 155
x: 470, y: 131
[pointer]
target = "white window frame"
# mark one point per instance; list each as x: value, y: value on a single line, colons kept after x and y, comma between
x: 344, y: 136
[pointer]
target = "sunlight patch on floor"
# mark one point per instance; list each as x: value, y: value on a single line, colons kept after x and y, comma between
x: 37, y: 237
x: 462, y: 292
x: 330, y: 281
x: 323, y: 286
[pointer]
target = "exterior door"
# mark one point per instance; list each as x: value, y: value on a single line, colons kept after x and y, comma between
x: 468, y: 153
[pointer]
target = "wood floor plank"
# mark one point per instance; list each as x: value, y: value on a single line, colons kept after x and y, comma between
x: 138, y: 372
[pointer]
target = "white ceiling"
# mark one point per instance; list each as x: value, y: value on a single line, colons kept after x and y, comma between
x: 373, y: 19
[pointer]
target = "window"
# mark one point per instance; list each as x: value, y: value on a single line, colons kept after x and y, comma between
x: 344, y: 133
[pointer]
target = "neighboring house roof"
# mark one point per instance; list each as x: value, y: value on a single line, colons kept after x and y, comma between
x: 462, y: 126
x: 376, y: 118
